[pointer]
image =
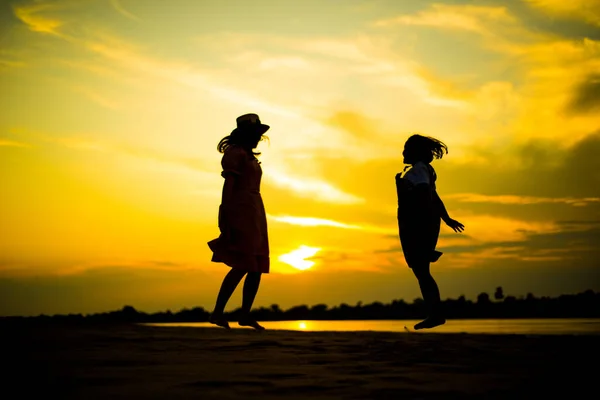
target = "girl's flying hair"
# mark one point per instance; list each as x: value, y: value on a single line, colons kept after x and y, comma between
x: 426, y: 148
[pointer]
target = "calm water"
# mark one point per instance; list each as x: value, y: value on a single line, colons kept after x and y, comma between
x: 493, y: 326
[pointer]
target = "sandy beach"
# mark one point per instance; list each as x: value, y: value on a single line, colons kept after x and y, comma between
x: 142, y: 362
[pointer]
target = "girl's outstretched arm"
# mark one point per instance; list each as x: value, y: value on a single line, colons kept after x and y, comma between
x: 455, y: 225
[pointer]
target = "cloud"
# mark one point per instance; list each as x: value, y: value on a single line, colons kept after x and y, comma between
x: 346, y: 260
x: 334, y: 60
x: 545, y: 67
x: 584, y: 10
x: 98, y: 98
x: 569, y: 242
x: 312, y: 188
x: 122, y: 265
x: 123, y: 54
x: 294, y: 63
x: 512, y: 199
x: 531, y: 170
x: 91, y: 143
x: 31, y: 16
x: 12, y: 143
x: 127, y: 55
x: 12, y: 63
x: 316, y: 222
x: 355, y: 123
x: 311, y: 221
x: 587, y: 95
x: 485, y: 228
x: 575, y: 245
x: 454, y: 17
x: 121, y: 10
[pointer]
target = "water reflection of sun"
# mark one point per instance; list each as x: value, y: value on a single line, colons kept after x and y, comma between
x: 302, y: 325
x: 297, y: 258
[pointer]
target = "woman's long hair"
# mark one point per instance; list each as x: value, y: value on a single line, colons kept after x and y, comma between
x: 239, y: 138
x: 426, y: 148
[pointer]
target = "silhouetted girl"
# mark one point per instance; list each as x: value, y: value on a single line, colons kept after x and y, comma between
x: 243, y: 243
x: 419, y: 212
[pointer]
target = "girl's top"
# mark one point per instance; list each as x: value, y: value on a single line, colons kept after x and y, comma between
x: 418, y: 236
x: 421, y: 173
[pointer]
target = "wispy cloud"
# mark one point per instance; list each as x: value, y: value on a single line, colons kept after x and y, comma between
x: 316, y: 222
x: 585, y: 10
x: 336, y: 59
x: 541, y: 246
x: 310, y: 221
x: 485, y: 228
x: 456, y: 17
x: 12, y: 63
x: 127, y: 55
x: 121, y: 10
x: 587, y: 96
x: 12, y: 143
x: 32, y: 16
x: 295, y: 63
x: 311, y: 188
x: 499, y: 29
x: 552, y: 67
x: 90, y: 143
x: 98, y: 98
x: 122, y: 264
x: 512, y: 199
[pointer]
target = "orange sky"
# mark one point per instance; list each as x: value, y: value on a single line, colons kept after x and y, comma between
x: 111, y: 111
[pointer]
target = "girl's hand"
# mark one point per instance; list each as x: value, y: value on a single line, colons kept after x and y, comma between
x: 455, y: 225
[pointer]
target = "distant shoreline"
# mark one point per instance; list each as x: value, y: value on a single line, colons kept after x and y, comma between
x: 581, y: 305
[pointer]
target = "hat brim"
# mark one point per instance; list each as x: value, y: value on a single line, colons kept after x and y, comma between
x: 262, y: 128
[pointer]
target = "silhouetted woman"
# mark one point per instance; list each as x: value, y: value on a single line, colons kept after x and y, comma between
x: 419, y: 212
x: 243, y: 243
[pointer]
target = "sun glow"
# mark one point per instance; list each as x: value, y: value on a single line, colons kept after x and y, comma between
x: 297, y: 258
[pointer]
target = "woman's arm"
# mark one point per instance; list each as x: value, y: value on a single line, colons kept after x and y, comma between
x: 227, y: 195
x: 232, y: 163
x: 226, y: 201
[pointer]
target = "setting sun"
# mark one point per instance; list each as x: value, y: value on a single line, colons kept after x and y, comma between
x: 297, y: 258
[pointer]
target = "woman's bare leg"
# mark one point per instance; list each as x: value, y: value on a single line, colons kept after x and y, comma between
x: 230, y: 282
x: 251, y: 285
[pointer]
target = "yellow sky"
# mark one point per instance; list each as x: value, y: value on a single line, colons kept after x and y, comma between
x: 111, y: 111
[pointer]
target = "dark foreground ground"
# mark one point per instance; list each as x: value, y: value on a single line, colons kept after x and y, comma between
x: 140, y: 362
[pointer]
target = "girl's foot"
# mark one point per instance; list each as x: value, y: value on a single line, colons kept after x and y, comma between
x: 219, y: 321
x: 251, y: 323
x: 430, y: 322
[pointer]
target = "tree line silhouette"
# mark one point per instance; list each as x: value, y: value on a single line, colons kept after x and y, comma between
x: 581, y: 305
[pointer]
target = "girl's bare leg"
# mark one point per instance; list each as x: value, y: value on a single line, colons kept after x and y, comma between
x: 251, y: 285
x: 431, y: 296
x: 230, y: 282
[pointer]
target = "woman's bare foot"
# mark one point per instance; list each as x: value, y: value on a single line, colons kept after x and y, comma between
x: 219, y: 321
x: 430, y: 322
x: 251, y: 323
